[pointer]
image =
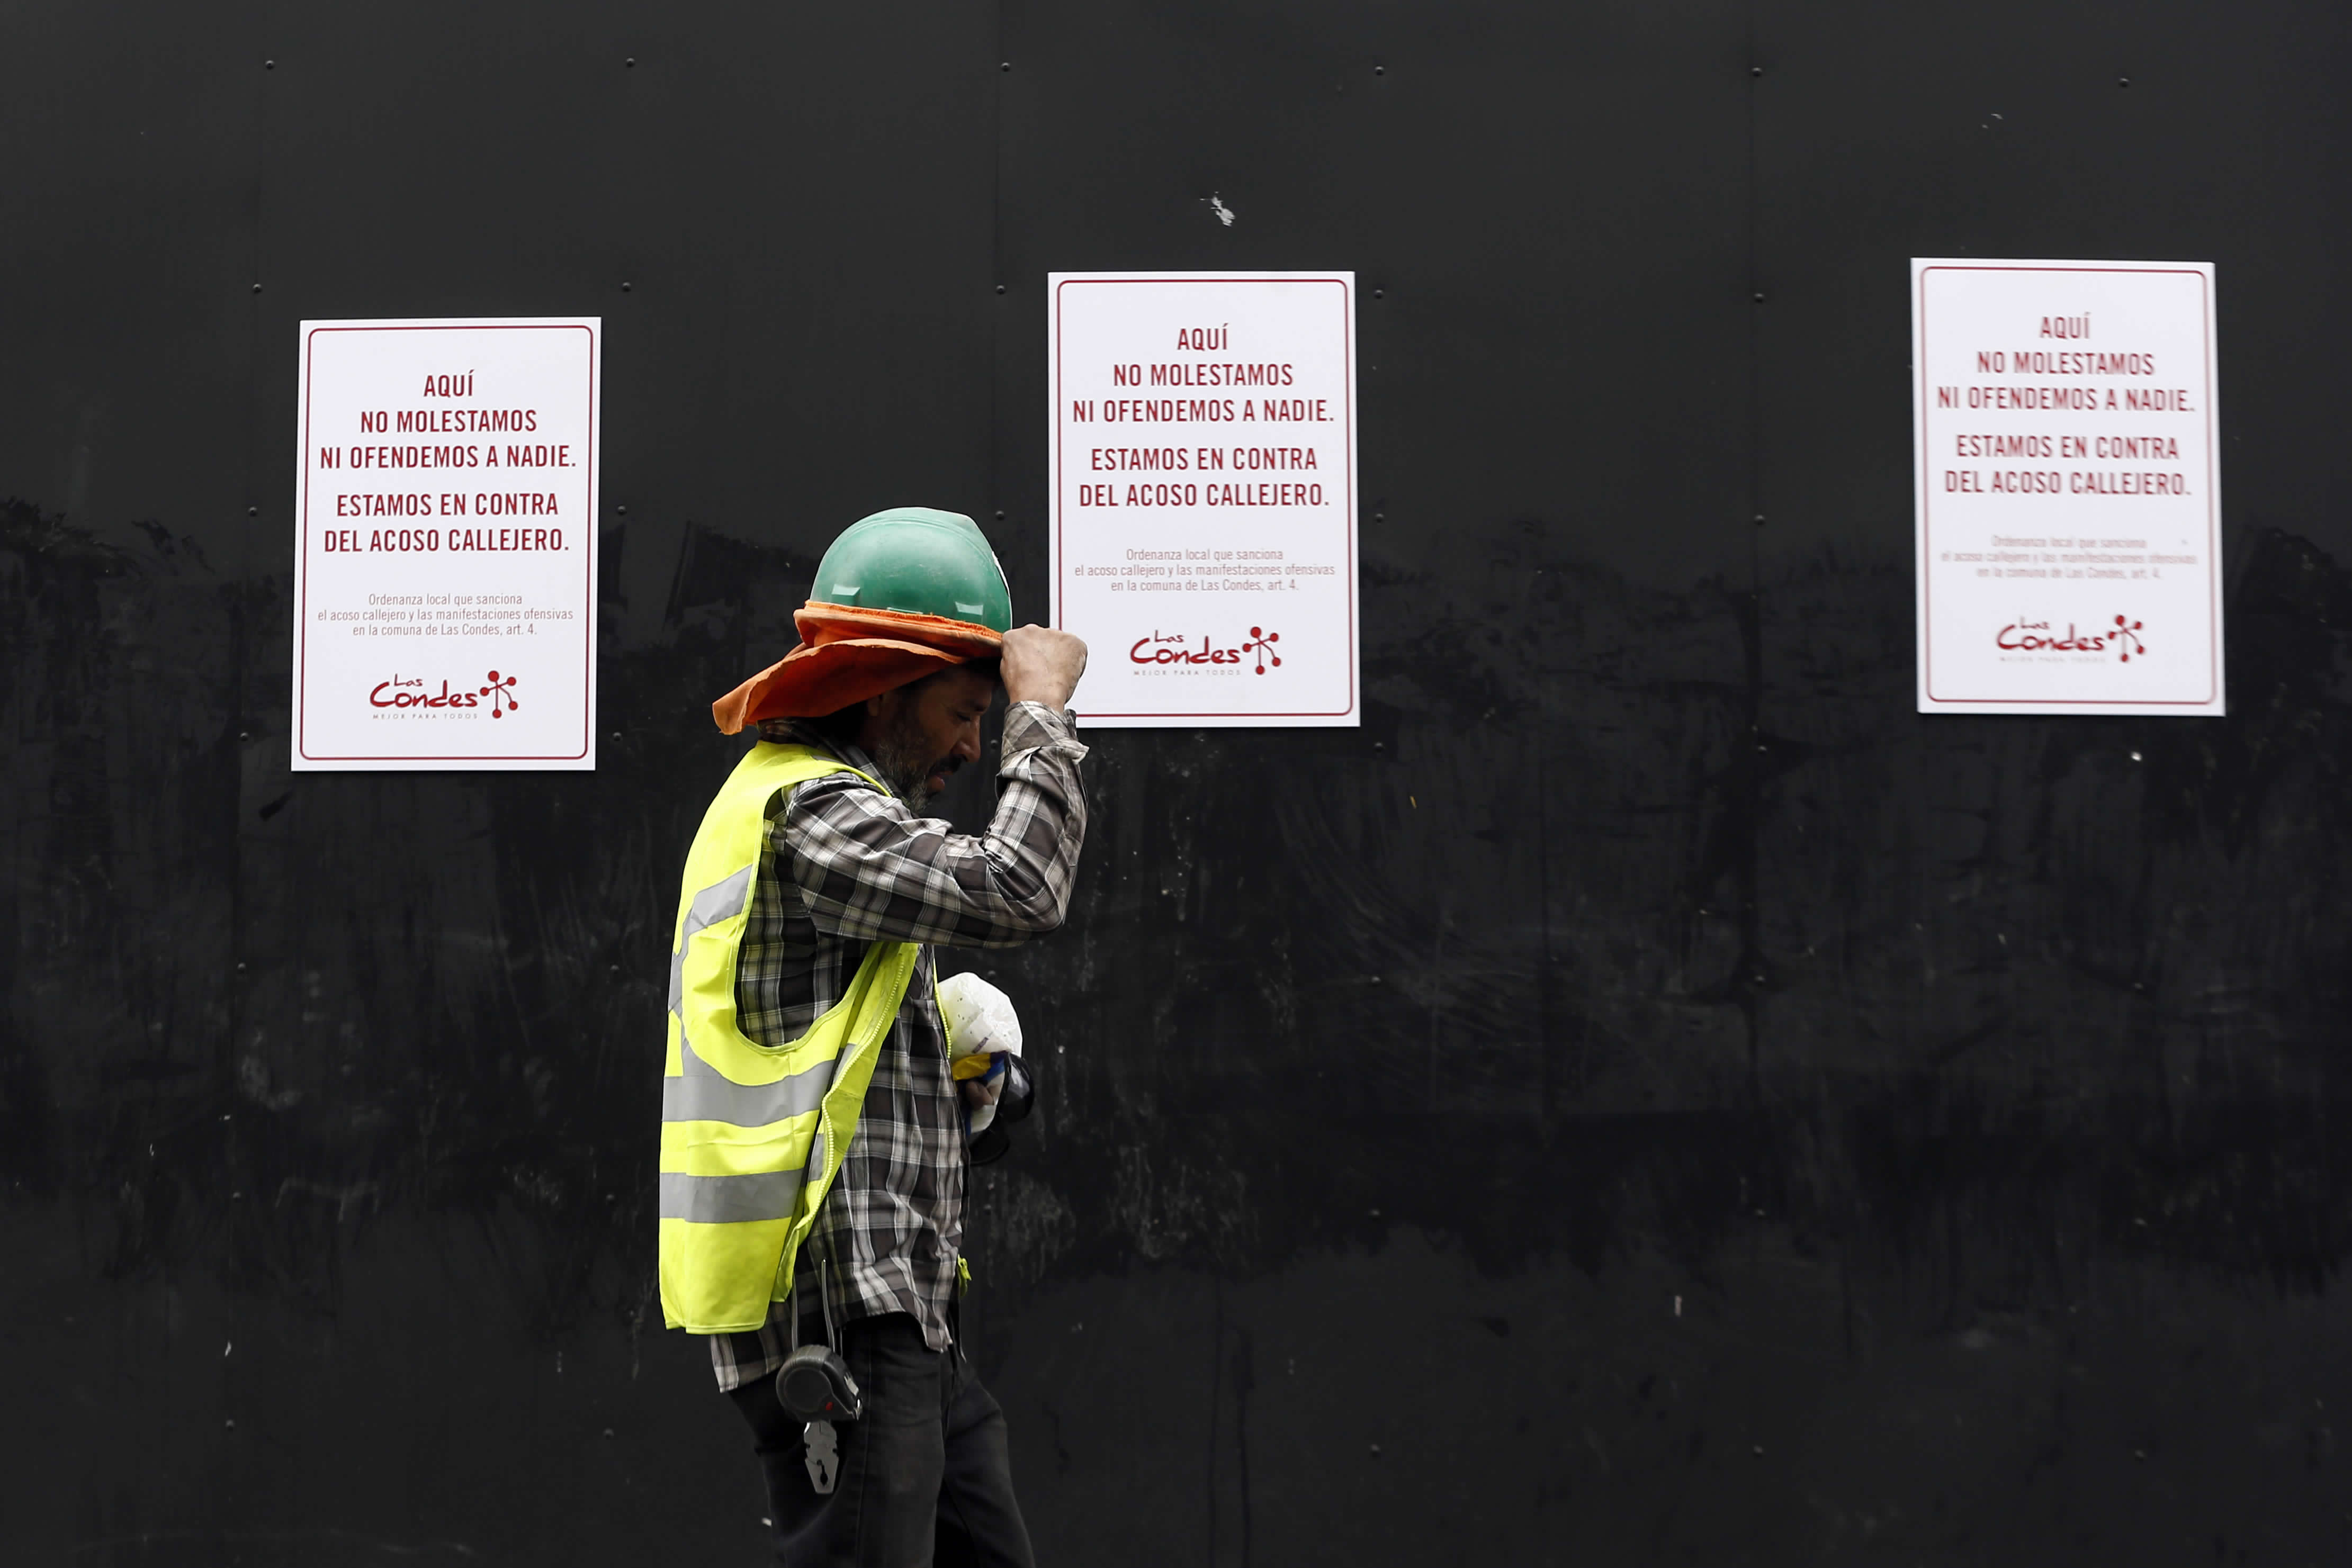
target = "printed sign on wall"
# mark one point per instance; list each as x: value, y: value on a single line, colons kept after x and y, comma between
x: 2067, y: 462
x: 1203, y: 510
x: 444, y: 565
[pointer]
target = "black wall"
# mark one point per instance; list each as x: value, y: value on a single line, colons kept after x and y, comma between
x: 1648, y: 1096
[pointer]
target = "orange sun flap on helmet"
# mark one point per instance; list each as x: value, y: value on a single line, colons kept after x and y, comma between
x: 847, y: 655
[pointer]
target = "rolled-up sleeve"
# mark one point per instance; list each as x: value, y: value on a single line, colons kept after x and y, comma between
x: 868, y: 868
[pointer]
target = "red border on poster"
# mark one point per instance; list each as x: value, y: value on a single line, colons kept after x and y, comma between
x: 1347, y: 302
x: 588, y: 554
x: 2212, y: 493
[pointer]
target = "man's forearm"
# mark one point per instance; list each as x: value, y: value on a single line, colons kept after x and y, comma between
x: 868, y: 868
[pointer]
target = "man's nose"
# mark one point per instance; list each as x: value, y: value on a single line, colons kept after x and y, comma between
x: 967, y: 744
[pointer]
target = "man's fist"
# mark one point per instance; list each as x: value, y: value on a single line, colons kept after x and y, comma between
x: 1041, y: 665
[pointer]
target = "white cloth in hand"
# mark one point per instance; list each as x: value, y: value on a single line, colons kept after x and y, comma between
x: 980, y: 1018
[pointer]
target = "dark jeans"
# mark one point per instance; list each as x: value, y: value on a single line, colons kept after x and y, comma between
x: 925, y: 1474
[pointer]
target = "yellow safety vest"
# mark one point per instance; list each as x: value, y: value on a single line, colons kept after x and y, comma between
x: 752, y: 1136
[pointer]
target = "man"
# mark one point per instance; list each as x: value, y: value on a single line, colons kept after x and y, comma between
x: 814, y: 1160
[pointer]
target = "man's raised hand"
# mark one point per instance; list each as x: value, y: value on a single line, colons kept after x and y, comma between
x: 1040, y: 664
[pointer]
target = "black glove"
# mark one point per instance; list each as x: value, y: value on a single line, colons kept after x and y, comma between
x: 1012, y: 1102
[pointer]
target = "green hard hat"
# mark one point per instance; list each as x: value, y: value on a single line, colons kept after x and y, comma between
x: 914, y: 559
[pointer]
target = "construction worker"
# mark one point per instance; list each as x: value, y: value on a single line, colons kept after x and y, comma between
x: 814, y: 1164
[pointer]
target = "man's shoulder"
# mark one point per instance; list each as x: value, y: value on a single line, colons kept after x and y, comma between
x: 840, y: 779
x: 836, y: 786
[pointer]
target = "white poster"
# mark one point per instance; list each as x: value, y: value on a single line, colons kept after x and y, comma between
x: 445, y: 568
x: 2068, y: 469
x: 1204, y: 511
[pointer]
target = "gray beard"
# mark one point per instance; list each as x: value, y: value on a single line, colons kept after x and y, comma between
x: 905, y: 767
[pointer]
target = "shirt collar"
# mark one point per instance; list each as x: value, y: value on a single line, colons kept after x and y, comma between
x: 797, y: 732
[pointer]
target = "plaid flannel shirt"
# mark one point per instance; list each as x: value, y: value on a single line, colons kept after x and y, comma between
x: 844, y: 867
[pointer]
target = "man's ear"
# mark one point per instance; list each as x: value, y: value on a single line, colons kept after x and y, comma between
x: 881, y: 712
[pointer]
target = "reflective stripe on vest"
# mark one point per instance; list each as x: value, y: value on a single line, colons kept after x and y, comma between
x: 752, y: 1136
